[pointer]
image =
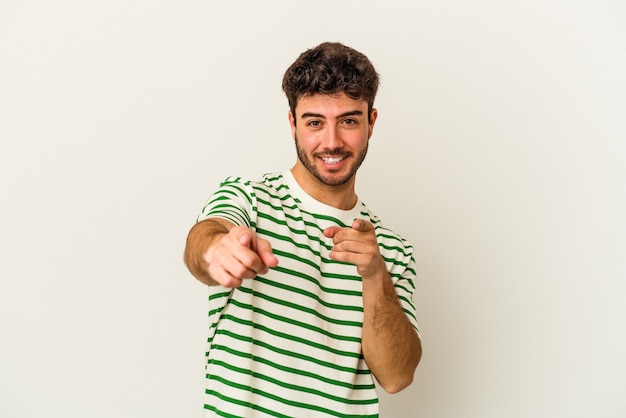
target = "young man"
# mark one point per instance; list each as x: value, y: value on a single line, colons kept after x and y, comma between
x: 310, y: 295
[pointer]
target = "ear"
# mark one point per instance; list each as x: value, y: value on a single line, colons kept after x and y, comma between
x: 292, y: 123
x: 372, y: 121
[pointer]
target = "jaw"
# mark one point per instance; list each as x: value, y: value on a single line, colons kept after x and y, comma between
x: 334, y: 190
x: 327, y: 169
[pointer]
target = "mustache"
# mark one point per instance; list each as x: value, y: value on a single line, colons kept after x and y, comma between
x: 333, y: 153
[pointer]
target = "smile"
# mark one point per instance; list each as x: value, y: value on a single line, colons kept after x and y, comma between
x: 332, y: 160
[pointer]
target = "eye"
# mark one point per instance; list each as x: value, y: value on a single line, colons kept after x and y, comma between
x: 314, y: 123
x: 349, y: 121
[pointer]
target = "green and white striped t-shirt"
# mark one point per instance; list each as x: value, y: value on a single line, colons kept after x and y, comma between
x: 288, y: 343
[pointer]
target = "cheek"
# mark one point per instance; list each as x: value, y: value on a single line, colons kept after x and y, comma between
x: 305, y: 138
x: 359, y: 139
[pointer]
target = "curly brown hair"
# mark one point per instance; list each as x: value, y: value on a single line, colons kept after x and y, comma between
x: 331, y: 68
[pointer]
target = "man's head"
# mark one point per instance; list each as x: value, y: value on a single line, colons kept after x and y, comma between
x: 331, y: 68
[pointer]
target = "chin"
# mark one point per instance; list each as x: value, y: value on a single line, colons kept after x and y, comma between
x: 335, y: 180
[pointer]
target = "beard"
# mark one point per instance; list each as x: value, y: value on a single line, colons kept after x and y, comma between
x: 331, y: 179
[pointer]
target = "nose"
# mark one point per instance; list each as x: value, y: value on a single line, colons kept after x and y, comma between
x: 332, y: 138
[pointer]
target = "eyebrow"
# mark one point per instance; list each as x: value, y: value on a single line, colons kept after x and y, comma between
x: 343, y: 115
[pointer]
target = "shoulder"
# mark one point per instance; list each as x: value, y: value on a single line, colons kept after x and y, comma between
x: 268, y: 183
x: 265, y: 182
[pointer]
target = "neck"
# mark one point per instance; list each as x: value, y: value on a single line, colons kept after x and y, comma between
x: 341, y: 197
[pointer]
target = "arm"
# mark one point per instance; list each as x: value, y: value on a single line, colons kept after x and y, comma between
x: 391, y: 347
x: 219, y: 253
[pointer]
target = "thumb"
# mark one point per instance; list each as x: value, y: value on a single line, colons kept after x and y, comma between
x: 331, y: 231
x: 362, y: 225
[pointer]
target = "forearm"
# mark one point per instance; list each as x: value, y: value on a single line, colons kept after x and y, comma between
x: 391, y: 346
x: 199, y: 240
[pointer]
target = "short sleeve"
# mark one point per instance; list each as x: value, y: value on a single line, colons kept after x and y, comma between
x: 405, y: 287
x: 234, y: 201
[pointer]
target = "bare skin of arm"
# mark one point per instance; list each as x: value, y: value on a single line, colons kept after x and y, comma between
x: 391, y: 347
x: 220, y: 253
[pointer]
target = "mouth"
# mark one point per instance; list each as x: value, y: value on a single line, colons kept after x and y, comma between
x: 332, y: 160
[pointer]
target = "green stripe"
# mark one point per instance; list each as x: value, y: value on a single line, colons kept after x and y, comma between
x: 219, y: 295
x: 409, y: 313
x: 220, y: 195
x: 318, y: 268
x: 324, y: 218
x: 270, y: 412
x: 315, y: 265
x: 293, y: 231
x: 400, y: 285
x: 301, y: 308
x: 280, y: 208
x: 293, y: 370
x: 299, y: 259
x: 237, y: 402
x: 238, y: 187
x: 324, y: 274
x: 323, y: 260
x: 393, y: 248
x: 280, y: 383
x: 294, y: 354
x: 325, y: 289
x: 289, y: 240
x: 291, y: 337
x: 233, y: 213
x: 394, y: 261
x: 291, y: 321
x: 312, y: 295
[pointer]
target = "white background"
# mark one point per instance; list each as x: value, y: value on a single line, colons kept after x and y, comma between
x: 502, y: 125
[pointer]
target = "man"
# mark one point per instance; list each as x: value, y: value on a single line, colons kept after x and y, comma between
x: 310, y: 296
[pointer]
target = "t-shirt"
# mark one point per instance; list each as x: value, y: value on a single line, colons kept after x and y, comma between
x: 288, y: 343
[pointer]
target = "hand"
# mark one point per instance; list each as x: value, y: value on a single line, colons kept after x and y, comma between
x: 237, y: 255
x: 358, y: 246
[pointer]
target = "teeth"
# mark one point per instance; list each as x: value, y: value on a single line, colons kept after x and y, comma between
x: 332, y: 160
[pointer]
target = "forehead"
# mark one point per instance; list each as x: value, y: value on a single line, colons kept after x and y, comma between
x: 329, y: 104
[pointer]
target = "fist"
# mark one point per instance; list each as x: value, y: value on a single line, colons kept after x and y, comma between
x: 357, y: 245
x: 237, y: 255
